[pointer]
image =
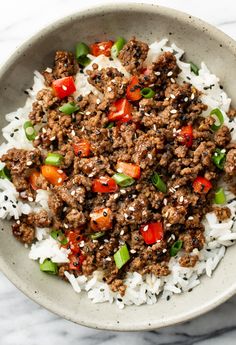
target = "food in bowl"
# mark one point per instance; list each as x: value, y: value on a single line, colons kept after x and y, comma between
x: 119, y: 171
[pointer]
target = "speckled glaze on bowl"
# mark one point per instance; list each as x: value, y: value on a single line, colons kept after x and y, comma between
x: 148, y: 22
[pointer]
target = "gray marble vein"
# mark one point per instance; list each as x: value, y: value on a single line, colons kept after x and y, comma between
x: 23, y: 322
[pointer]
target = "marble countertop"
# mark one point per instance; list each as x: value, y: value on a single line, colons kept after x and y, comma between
x: 23, y: 322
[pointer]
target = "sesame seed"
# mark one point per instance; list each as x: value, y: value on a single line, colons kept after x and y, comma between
x: 30, y: 198
x: 88, y: 113
x: 132, y: 251
x: 18, y: 222
x: 81, y: 244
x: 29, y: 163
x: 165, y: 201
x: 109, y: 89
x: 73, y: 192
x: 154, y: 127
x: 108, y: 259
x: 37, y: 137
x: 126, y: 215
x: 52, y: 138
x: 98, y: 101
x: 48, y: 70
x: 190, y: 218
x: 168, y: 225
x: 181, y: 199
x: 116, y: 196
x: 64, y: 209
x: 169, y: 74
x: 44, y: 130
x: 172, y: 96
x: 173, y: 236
x: 60, y: 171
x: 131, y: 208
x: 73, y: 133
x: 101, y: 247
x: 186, y: 99
x: 106, y: 240
x: 122, y: 232
x: 223, y: 150
x: 123, y: 191
x: 177, y: 186
x: 192, y: 96
x: 157, y: 73
x: 119, y: 170
x: 82, y: 129
x: 145, y: 228
x: 172, y: 80
x: 149, y: 156
x: 64, y: 87
x: 146, y: 114
x: 59, y: 180
x: 164, y: 250
x: 173, y: 111
x: 66, y: 226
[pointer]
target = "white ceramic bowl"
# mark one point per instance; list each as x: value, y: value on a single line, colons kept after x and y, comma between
x: 148, y: 22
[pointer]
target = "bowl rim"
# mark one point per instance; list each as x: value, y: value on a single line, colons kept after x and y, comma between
x: 50, y: 27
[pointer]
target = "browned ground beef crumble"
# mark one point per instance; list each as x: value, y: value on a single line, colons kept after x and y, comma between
x: 153, y: 144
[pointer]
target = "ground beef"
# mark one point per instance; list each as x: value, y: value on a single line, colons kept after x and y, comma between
x: 230, y: 164
x: 222, y: 213
x: 20, y: 164
x: 23, y: 232
x: 40, y: 219
x: 222, y: 136
x: 133, y: 55
x: 188, y: 260
x: 65, y: 65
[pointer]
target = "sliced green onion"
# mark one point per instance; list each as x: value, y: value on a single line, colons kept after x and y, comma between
x: 220, y: 196
x: 59, y: 236
x: 121, y: 256
x: 69, y: 108
x: 194, y: 68
x: 158, y: 183
x: 30, y: 132
x: 49, y: 267
x: 147, y: 92
x: 54, y: 159
x: 96, y: 235
x: 81, y: 52
x: 218, y: 117
x: 123, y: 180
x: 219, y: 158
x: 5, y: 173
x: 110, y: 125
x: 175, y: 248
x: 117, y: 46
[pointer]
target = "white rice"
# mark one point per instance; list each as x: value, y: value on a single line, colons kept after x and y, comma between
x: 140, y: 289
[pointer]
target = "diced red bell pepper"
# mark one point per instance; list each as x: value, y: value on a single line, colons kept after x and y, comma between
x: 100, y: 48
x: 75, y: 261
x: 133, y: 92
x: 63, y: 87
x: 129, y: 169
x: 81, y: 148
x: 104, y: 184
x: 33, y: 179
x: 74, y: 238
x: 122, y: 111
x: 53, y: 175
x: 186, y: 136
x: 201, y: 185
x: 152, y: 232
x: 101, y: 219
